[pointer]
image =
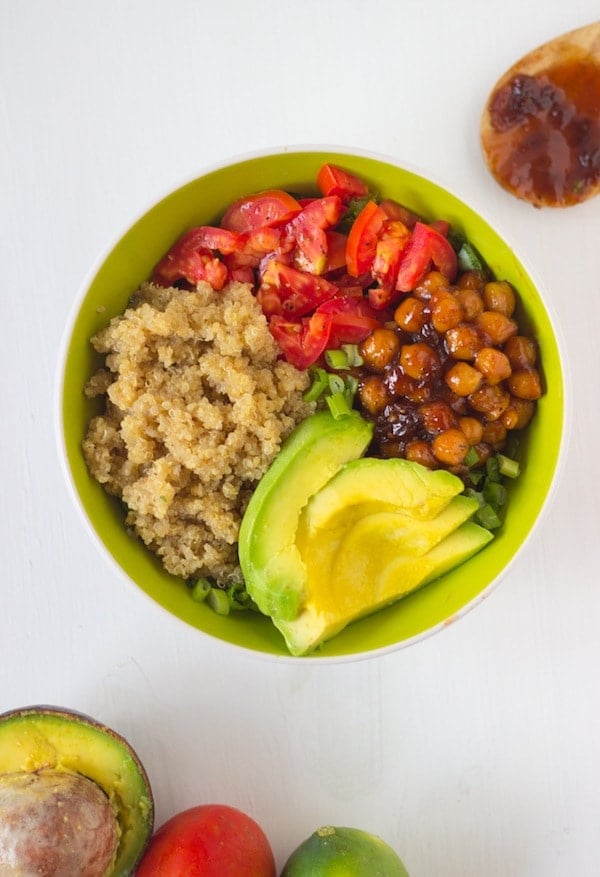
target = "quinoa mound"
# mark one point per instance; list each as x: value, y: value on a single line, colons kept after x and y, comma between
x: 197, y: 404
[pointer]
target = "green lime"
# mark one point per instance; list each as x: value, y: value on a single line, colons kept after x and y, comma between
x: 343, y: 852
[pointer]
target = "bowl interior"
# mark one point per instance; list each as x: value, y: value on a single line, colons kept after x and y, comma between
x: 202, y: 201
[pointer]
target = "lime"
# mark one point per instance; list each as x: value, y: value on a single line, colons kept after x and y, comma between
x: 343, y: 852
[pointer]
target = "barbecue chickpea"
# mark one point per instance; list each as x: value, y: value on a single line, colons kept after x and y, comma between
x: 496, y: 326
x: 471, y: 303
x: 432, y: 283
x: 373, y: 394
x: 463, y: 342
x: 494, y: 433
x: 499, y: 295
x: 490, y: 401
x: 446, y: 312
x: 419, y: 360
x: 521, y: 351
x: 379, y: 348
x: 450, y: 447
x: 410, y: 314
x: 472, y: 428
x: 419, y: 451
x: 471, y: 280
x: 525, y: 383
x: 518, y: 414
x: 437, y: 416
x: 463, y: 379
x: 493, y: 365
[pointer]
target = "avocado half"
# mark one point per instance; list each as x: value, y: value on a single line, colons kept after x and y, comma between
x: 38, y: 738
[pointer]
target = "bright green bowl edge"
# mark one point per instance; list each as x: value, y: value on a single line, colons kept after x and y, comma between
x: 201, y: 201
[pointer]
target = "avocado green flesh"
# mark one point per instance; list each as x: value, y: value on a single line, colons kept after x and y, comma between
x: 392, y: 582
x: 273, y: 570
x: 47, y: 738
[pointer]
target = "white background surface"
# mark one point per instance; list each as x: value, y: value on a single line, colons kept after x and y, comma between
x: 473, y: 753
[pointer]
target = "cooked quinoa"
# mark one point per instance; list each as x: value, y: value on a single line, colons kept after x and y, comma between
x: 197, y: 405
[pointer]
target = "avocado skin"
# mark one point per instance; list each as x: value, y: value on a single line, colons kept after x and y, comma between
x: 271, y: 564
x: 43, y: 736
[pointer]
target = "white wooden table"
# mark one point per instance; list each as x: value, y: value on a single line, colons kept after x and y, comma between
x: 476, y: 752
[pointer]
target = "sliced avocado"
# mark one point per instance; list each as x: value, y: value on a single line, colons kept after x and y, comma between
x: 273, y: 570
x: 42, y: 739
x: 401, y: 483
x: 387, y: 582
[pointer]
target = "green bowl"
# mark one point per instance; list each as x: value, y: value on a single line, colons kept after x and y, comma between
x: 131, y: 260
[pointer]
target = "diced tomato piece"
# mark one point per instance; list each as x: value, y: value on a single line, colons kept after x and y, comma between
x: 253, y: 246
x: 210, y: 237
x: 362, y: 239
x: 336, y: 251
x: 308, y: 232
x: 301, y: 341
x: 352, y: 319
x: 299, y: 293
x: 393, y: 240
x: 394, y: 210
x: 441, y: 225
x: 189, y: 261
x: 334, y: 180
x: 426, y: 245
x: 260, y: 210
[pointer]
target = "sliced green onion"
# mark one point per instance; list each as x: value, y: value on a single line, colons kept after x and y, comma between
x: 493, y: 469
x: 495, y: 494
x: 469, y: 258
x: 508, y: 466
x: 320, y: 382
x: 354, y: 357
x: 218, y: 600
x: 351, y: 387
x: 336, y: 384
x: 487, y: 517
x: 338, y: 404
x: 200, y: 590
x: 471, y: 457
x: 337, y: 359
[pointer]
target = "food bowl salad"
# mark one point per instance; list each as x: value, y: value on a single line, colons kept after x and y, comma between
x: 316, y: 383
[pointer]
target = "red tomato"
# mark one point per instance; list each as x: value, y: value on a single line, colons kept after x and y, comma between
x: 299, y: 293
x: 333, y: 180
x: 427, y: 245
x: 188, y: 260
x: 393, y: 240
x: 352, y: 319
x: 336, y: 251
x: 308, y: 231
x: 394, y: 210
x: 259, y: 210
x: 302, y: 341
x: 362, y: 239
x: 212, y: 840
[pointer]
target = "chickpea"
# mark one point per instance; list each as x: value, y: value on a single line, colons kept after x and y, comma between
x: 518, y: 414
x: 433, y: 282
x: 450, y: 447
x: 472, y: 428
x: 373, y: 394
x: 525, y: 383
x: 521, y: 351
x: 463, y: 379
x: 446, y: 312
x: 470, y: 302
x: 499, y: 295
x: 490, y: 401
x: 463, y: 342
x: 471, y: 280
x: 494, y: 434
x: 437, y: 416
x: 493, y: 365
x: 379, y: 348
x: 419, y: 360
x: 496, y: 326
x: 410, y: 314
x: 418, y: 451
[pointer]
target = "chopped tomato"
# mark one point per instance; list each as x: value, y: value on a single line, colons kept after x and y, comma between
x: 259, y: 210
x: 427, y: 245
x: 334, y: 180
x: 336, y: 251
x: 352, y: 319
x: 299, y: 293
x: 301, y: 341
x: 441, y: 225
x: 189, y: 261
x: 362, y: 239
x: 308, y: 231
x: 393, y: 240
x: 394, y: 210
x: 252, y: 247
